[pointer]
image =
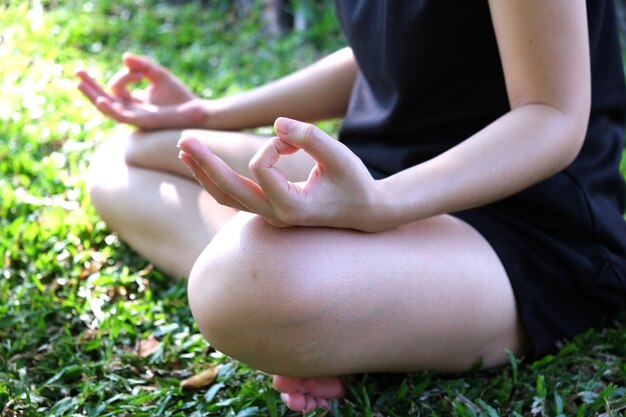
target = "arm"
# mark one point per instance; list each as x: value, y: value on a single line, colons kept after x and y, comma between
x: 319, y: 91
x: 545, y: 57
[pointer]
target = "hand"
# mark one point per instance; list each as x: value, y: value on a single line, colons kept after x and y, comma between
x: 339, y: 192
x: 167, y: 103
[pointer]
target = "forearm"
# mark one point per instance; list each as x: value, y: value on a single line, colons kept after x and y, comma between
x: 317, y: 92
x: 544, y: 51
x: 518, y: 150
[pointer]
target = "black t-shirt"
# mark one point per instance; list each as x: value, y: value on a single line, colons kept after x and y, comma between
x: 430, y: 76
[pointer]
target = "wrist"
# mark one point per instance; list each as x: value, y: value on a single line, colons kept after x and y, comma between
x: 239, y: 111
x: 389, y: 212
x: 220, y: 114
x: 202, y: 114
x: 382, y: 211
x: 399, y: 204
x: 215, y: 114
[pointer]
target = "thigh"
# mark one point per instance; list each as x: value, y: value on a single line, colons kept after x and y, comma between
x: 157, y: 150
x: 314, y: 302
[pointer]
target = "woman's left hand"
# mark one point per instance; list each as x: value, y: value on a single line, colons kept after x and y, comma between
x: 340, y: 192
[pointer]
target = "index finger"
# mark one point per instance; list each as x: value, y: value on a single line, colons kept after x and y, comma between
x: 273, y: 182
x: 151, y: 70
x: 329, y: 153
x: 120, y: 81
x: 90, y: 87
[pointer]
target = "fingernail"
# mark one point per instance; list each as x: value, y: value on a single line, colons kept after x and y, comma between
x: 189, y: 143
x: 181, y: 140
x: 282, y: 125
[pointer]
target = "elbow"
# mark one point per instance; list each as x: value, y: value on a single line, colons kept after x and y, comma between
x: 572, y: 134
x: 565, y: 116
x: 575, y: 125
x: 568, y: 130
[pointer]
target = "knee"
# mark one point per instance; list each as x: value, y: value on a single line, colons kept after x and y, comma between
x: 106, y: 171
x: 247, y: 294
x: 227, y: 285
x: 107, y: 176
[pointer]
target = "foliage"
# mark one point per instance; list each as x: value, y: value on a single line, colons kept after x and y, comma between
x: 77, y: 306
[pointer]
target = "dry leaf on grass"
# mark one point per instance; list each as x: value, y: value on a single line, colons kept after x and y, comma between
x: 201, y: 380
x: 147, y: 347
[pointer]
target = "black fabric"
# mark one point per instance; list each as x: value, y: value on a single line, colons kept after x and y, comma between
x: 430, y: 77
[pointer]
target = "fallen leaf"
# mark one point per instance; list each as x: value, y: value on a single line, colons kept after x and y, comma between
x: 201, y: 380
x: 147, y: 347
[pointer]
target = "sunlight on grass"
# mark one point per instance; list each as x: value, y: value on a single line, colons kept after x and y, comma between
x: 78, y: 306
x: 75, y: 302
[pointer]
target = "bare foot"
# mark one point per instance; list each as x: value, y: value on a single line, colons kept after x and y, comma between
x: 307, y: 394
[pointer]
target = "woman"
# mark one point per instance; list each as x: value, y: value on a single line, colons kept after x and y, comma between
x: 472, y: 205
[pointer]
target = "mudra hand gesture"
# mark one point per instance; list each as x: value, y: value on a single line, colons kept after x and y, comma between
x: 166, y: 103
x: 340, y: 192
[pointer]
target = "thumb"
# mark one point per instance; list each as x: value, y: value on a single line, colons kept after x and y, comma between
x: 136, y: 63
x: 327, y: 151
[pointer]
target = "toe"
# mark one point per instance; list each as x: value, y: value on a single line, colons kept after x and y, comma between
x: 295, y: 401
x: 287, y: 384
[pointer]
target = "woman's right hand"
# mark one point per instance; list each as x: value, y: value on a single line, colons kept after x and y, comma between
x: 166, y: 103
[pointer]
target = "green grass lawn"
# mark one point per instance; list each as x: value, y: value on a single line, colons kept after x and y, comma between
x: 89, y: 328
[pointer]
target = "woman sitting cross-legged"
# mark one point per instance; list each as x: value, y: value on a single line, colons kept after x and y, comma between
x: 472, y: 203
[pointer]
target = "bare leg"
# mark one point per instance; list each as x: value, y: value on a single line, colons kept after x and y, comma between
x: 145, y: 194
x: 311, y: 303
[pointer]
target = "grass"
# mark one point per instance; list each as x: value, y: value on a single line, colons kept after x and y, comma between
x: 89, y: 328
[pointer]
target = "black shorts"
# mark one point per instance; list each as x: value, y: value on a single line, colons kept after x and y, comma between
x: 561, y: 286
x: 562, y: 241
